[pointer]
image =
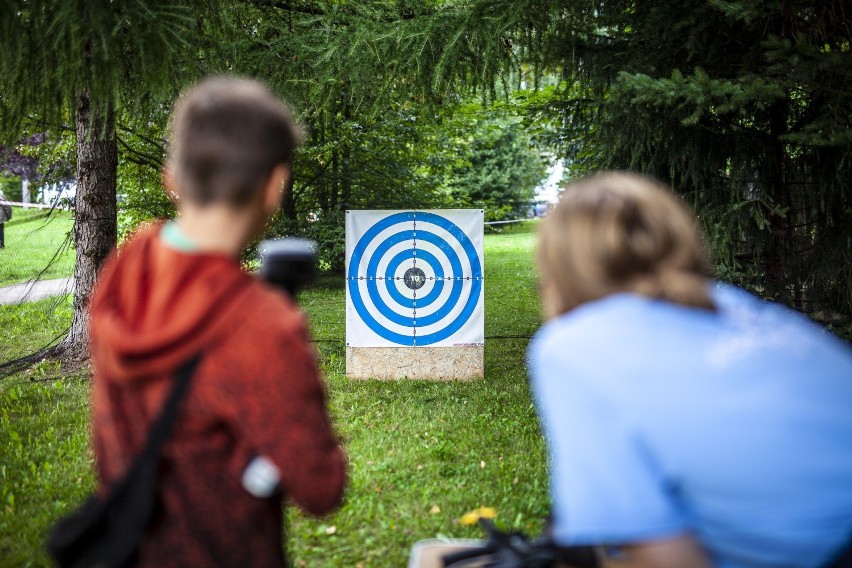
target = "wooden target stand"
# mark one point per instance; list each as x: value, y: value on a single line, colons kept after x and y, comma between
x: 415, y: 294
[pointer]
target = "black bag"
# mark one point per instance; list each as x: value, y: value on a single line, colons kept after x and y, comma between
x: 106, y: 531
x: 514, y: 550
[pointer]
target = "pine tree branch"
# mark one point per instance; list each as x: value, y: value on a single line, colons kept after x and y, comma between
x: 158, y: 144
x: 313, y: 10
x: 139, y: 157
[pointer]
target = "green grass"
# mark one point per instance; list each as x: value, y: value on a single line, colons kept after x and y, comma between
x: 33, y: 238
x: 421, y: 453
x: 45, y: 465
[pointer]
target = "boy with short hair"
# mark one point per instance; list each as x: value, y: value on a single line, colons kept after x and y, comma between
x: 177, y: 290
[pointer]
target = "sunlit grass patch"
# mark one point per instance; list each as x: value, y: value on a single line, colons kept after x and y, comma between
x: 36, y: 246
x: 27, y: 327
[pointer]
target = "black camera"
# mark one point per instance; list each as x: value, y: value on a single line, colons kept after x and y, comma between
x: 289, y: 263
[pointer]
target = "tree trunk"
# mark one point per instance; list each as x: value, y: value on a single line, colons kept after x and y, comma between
x: 345, y: 165
x: 288, y: 204
x: 777, y: 270
x: 95, y: 220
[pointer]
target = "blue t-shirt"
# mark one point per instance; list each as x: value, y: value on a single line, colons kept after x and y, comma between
x: 735, y: 426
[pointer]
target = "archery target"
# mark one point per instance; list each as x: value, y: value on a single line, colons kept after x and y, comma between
x: 414, y: 278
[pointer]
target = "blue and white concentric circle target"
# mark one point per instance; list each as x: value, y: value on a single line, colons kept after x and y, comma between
x: 414, y: 278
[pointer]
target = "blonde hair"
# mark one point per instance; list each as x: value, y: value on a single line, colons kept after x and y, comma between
x: 621, y: 232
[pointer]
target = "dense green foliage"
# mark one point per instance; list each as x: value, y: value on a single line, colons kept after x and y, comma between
x: 11, y: 187
x: 499, y: 170
x: 502, y: 150
x: 744, y: 107
x: 123, y: 54
x: 381, y: 133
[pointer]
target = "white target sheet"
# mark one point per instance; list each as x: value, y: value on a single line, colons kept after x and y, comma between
x: 415, y: 278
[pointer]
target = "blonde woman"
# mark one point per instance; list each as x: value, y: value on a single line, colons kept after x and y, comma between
x: 688, y: 422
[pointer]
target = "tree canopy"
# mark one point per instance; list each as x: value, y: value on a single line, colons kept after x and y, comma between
x: 744, y: 107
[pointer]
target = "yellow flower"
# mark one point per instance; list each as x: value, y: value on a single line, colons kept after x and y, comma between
x: 472, y: 517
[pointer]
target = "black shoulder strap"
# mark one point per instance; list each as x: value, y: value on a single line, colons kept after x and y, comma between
x: 162, y: 426
x: 106, y: 531
x: 844, y: 557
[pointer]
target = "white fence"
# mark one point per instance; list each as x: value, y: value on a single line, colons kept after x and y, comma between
x: 36, y: 205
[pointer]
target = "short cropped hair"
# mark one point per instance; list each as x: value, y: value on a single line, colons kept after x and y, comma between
x: 622, y: 232
x: 227, y: 135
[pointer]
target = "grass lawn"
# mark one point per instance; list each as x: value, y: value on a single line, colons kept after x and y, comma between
x: 36, y: 238
x: 421, y: 453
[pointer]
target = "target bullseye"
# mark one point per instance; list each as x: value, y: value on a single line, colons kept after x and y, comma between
x: 414, y: 278
x: 421, y: 301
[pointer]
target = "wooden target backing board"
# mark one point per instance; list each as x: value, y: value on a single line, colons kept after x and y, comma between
x: 415, y: 294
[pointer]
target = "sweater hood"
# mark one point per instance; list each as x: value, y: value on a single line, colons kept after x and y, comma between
x: 155, y: 307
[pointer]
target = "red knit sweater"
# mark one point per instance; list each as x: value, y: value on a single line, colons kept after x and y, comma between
x: 255, y: 392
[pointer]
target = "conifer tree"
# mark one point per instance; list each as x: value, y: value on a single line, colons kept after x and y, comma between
x: 81, y: 62
x: 746, y: 108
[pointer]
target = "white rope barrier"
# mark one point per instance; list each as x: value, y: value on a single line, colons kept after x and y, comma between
x: 509, y: 221
x: 35, y: 205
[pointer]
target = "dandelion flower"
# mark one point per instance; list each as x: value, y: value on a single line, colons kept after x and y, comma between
x: 472, y: 517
